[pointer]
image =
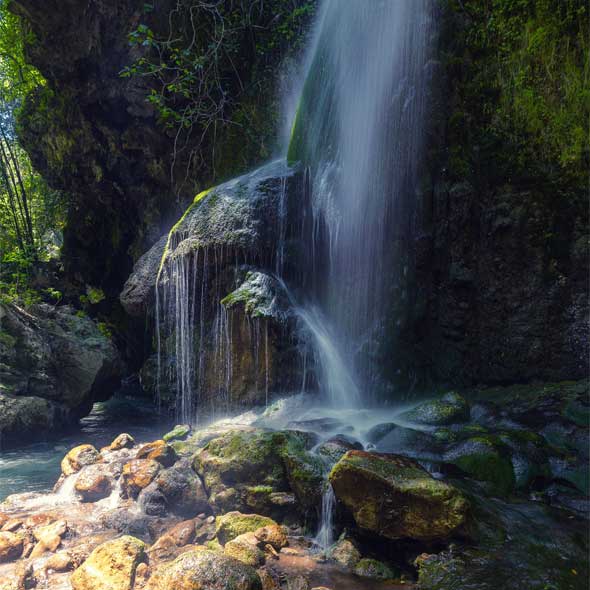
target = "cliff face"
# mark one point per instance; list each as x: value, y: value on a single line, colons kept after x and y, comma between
x: 496, y: 282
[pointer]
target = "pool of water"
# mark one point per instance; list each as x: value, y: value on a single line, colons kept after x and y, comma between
x: 36, y: 467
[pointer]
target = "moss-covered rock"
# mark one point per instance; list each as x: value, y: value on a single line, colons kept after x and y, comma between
x: 244, y: 548
x: 345, y: 552
x: 374, y: 569
x: 486, y: 459
x: 203, y: 569
x: 253, y: 468
x: 450, y: 409
x: 178, y: 433
x: 111, y: 566
x: 393, y: 497
x: 231, y: 525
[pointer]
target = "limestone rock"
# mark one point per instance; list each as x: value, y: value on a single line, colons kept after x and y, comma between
x: 79, y: 457
x: 111, y: 566
x: 11, y: 546
x: 203, y: 569
x: 231, y: 525
x: 394, y: 497
x: 138, y: 474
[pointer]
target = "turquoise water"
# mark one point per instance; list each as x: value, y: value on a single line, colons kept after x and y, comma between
x: 36, y: 467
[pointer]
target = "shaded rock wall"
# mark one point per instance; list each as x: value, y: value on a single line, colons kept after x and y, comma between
x: 54, y: 365
x: 495, y: 278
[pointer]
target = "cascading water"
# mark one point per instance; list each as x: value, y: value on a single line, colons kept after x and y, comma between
x: 359, y: 128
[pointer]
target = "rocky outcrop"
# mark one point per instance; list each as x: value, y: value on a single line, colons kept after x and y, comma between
x: 220, y: 259
x: 394, y: 497
x: 54, y: 364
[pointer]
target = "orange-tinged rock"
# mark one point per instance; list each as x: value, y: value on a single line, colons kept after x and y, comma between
x: 138, y: 474
x: 79, y: 457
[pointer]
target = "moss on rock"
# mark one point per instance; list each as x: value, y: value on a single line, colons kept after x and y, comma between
x: 393, y: 497
x: 231, y: 525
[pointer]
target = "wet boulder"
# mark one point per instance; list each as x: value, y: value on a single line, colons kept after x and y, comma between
x: 254, y: 468
x: 138, y: 474
x: 231, y: 525
x: 93, y: 483
x: 450, y: 409
x: 337, y: 446
x: 11, y: 546
x: 345, y: 552
x: 202, y: 569
x: 111, y: 566
x: 79, y: 457
x: 179, y: 432
x: 394, y: 497
x: 485, y: 458
x: 377, y: 432
x: 178, y: 490
x: 158, y: 451
x: 374, y: 569
x: 245, y: 548
x: 123, y: 441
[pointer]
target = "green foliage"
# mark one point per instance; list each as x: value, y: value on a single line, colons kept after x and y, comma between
x: 521, y: 70
x: 205, y: 72
x: 31, y: 214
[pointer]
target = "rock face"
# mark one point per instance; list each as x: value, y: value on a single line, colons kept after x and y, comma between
x: 394, y: 497
x: 226, y: 244
x: 111, y: 566
x: 53, y: 366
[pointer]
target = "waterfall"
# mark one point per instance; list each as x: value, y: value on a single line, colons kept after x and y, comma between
x: 359, y: 129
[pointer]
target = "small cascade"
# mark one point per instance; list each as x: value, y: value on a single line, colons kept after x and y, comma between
x: 189, y: 308
x: 335, y: 380
x: 325, y: 535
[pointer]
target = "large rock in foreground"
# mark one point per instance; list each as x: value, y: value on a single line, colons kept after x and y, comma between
x: 111, y: 566
x: 53, y: 365
x: 394, y: 497
x: 205, y: 570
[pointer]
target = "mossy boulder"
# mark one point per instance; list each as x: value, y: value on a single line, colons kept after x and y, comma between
x: 178, y: 433
x: 484, y: 458
x: 233, y: 524
x: 203, y: 569
x: 394, y: 497
x: 374, y: 569
x: 345, y: 552
x: 335, y: 447
x: 257, y: 469
x: 245, y: 548
x: 111, y: 566
x: 450, y: 409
